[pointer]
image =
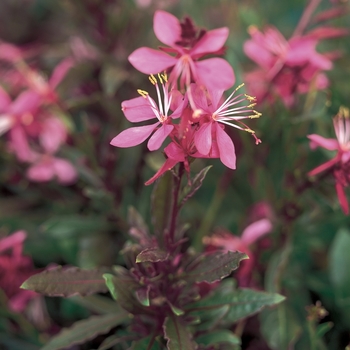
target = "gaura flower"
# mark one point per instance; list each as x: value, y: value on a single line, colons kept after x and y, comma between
x: 187, y: 48
x: 145, y: 108
x: 340, y: 164
x: 213, y: 115
x: 289, y: 67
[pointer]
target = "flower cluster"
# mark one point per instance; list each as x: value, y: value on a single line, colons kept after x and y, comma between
x: 32, y: 118
x: 288, y: 67
x: 340, y: 164
x: 191, y: 108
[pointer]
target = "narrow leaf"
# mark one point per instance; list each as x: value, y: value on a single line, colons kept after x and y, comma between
x: 219, y: 336
x: 98, y: 304
x: 148, y: 343
x: 177, y: 335
x: 234, y: 304
x: 66, y: 282
x: 137, y: 225
x: 211, y: 267
x: 152, y: 255
x: 85, y: 330
x: 161, y: 204
x: 190, y: 190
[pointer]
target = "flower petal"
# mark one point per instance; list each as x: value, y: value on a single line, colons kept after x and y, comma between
x: 60, y: 72
x: 166, y: 27
x: 65, y: 171
x: 137, y: 110
x: 151, y: 61
x: 226, y: 148
x: 27, y: 101
x: 258, y: 54
x: 159, y: 136
x: 203, y: 138
x: 168, y: 164
x: 133, y: 136
x: 256, y: 230
x: 41, y: 172
x: 53, y: 134
x: 324, y: 166
x: 211, y: 41
x: 215, y: 73
x: 5, y: 100
x: 320, y: 141
x: 19, y: 144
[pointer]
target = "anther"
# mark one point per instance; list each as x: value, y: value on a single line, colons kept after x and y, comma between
x: 143, y: 93
x: 152, y: 79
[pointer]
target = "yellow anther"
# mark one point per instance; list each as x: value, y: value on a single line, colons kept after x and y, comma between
x: 238, y: 87
x: 251, y: 105
x: 250, y: 131
x: 152, y: 79
x: 344, y: 112
x: 143, y: 93
x: 160, y: 78
x: 250, y: 98
x: 165, y: 77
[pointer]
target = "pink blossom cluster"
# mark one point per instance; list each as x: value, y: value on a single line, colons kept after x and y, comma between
x: 287, y: 68
x: 31, y: 117
x: 191, y: 109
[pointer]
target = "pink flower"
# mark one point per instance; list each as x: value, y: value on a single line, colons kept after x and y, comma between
x: 187, y: 47
x: 46, y: 166
x: 214, y: 115
x: 145, y: 108
x: 228, y: 242
x: 289, y: 67
x: 20, y: 118
x: 340, y: 164
x: 15, y: 269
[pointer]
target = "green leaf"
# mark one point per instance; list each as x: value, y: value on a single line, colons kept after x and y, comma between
x: 148, y: 343
x: 161, y: 204
x: 97, y: 304
x: 123, y: 288
x: 280, y: 327
x: 339, y: 263
x: 65, y: 282
x: 177, y: 335
x: 73, y: 225
x: 190, y: 190
x: 217, y: 337
x: 211, y: 267
x: 152, y: 255
x: 85, y: 330
x: 234, y: 304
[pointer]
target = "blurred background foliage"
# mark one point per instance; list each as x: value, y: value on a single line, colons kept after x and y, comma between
x: 306, y: 257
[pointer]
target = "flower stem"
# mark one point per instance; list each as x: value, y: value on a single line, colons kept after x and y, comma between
x: 305, y: 18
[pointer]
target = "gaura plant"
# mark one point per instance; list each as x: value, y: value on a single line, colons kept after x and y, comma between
x: 166, y: 295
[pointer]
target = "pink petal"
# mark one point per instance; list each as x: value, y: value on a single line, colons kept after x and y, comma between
x: 16, y: 239
x: 5, y: 100
x: 226, y: 148
x: 19, y: 144
x: 151, y: 61
x: 320, y: 141
x: 173, y: 151
x: 169, y: 163
x: 342, y: 198
x: 159, y: 136
x: 258, y: 54
x: 65, y: 171
x: 42, y: 171
x: 6, y: 122
x: 211, y: 41
x: 27, y: 101
x: 321, y: 61
x: 137, y: 109
x: 166, y: 28
x: 215, y: 73
x: 133, y: 136
x: 256, y: 230
x: 327, y: 32
x: 9, y: 52
x: 203, y: 138
x: 53, y: 134
x: 199, y: 98
x: 60, y: 72
x: 324, y: 166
